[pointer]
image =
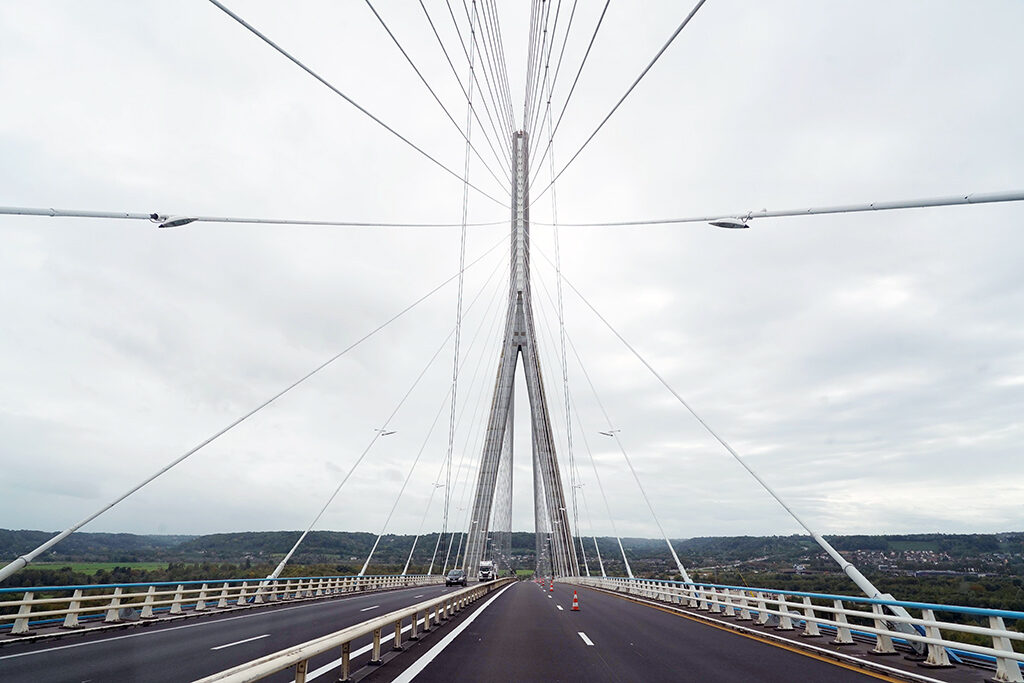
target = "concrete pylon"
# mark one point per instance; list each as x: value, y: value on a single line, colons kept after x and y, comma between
x: 521, y: 340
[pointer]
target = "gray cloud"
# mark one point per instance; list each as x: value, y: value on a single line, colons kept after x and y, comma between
x: 870, y: 366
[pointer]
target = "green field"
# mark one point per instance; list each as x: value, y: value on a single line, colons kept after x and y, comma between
x: 93, y: 567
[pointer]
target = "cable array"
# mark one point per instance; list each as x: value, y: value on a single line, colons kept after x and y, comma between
x: 622, y: 99
x: 25, y: 559
x: 576, y: 80
x: 469, y: 96
x: 481, y: 41
x: 499, y: 138
x: 345, y: 97
x: 419, y: 454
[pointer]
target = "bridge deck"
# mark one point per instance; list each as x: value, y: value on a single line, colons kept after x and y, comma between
x: 524, y: 636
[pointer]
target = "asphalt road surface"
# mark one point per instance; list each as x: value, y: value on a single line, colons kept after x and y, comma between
x: 530, y: 634
x: 190, y: 649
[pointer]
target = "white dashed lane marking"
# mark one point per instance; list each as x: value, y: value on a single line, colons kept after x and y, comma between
x: 239, y: 642
x: 586, y: 640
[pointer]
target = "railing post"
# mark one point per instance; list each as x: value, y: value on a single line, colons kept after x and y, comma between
x: 716, y: 603
x: 71, y: 619
x: 843, y: 635
x: 112, y: 609
x: 300, y: 671
x: 223, y: 601
x: 21, y: 622
x: 176, y: 605
x: 729, y: 609
x: 201, y: 600
x: 147, y: 604
x: 1006, y: 669
x: 413, y: 632
x: 375, y: 657
x: 937, y: 657
x: 242, y: 594
x: 397, y: 645
x: 785, y: 621
x: 762, y: 609
x: 811, y: 629
x: 744, y: 607
x: 346, y: 664
x: 883, y: 641
x: 702, y: 599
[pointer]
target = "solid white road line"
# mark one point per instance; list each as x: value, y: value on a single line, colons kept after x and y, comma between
x: 367, y: 609
x: 211, y: 622
x: 586, y: 640
x: 421, y: 663
x: 239, y: 642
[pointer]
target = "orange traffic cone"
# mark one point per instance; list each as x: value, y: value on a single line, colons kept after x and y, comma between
x: 575, y: 602
x: 552, y: 588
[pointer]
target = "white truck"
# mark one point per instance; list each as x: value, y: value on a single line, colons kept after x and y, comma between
x: 487, y: 571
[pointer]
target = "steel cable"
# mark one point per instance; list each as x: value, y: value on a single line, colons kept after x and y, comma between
x: 682, y: 25
x: 465, y: 134
x: 345, y: 97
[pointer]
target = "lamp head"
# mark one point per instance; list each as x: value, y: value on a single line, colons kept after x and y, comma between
x: 176, y: 221
x: 731, y: 223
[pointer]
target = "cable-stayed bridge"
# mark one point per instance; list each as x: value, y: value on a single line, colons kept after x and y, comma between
x: 574, y: 621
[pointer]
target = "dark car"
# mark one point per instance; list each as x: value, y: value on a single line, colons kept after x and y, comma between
x: 455, y: 576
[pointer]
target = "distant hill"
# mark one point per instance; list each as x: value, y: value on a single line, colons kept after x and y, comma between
x: 326, y: 547
x: 91, y: 547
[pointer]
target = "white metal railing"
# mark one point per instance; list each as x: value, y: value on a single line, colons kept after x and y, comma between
x: 845, y: 615
x: 73, y: 605
x: 434, y: 611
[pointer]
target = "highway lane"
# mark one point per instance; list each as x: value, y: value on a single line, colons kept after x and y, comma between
x: 529, y: 634
x: 189, y: 649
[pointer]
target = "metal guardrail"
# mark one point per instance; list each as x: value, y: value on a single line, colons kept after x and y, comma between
x: 844, y: 614
x: 434, y: 611
x: 74, y: 604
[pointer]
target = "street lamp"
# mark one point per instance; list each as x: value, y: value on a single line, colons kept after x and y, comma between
x: 730, y: 223
x: 173, y: 221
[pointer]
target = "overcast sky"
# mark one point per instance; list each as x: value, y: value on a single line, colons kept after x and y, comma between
x: 870, y: 366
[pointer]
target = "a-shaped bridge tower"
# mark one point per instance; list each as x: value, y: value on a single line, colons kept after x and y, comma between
x: 555, y: 539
